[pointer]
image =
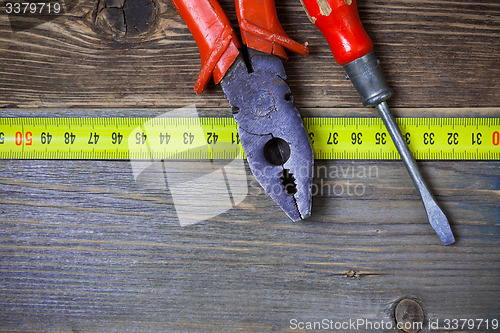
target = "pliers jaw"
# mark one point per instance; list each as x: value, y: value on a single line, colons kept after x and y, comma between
x: 288, y: 184
x: 271, y: 131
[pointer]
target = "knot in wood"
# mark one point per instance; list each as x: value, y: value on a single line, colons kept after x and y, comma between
x: 125, y: 20
x: 409, y: 316
x: 352, y: 273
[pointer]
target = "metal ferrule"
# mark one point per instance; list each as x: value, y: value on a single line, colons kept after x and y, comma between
x: 368, y: 79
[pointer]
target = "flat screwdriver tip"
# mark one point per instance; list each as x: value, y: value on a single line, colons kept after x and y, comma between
x: 439, y: 222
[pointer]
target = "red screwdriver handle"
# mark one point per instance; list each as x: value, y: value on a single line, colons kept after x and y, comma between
x: 339, y: 22
x: 216, y: 40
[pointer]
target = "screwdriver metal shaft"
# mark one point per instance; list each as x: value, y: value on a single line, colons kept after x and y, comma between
x: 367, y: 77
x: 437, y: 218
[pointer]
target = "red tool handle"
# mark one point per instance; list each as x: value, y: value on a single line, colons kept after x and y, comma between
x: 339, y: 22
x: 216, y: 39
x: 261, y: 29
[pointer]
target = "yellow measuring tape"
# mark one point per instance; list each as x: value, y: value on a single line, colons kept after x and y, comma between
x: 217, y: 138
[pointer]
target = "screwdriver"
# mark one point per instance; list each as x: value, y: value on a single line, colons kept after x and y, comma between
x: 339, y: 22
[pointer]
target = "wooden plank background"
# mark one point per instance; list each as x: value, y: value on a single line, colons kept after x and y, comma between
x: 85, y: 247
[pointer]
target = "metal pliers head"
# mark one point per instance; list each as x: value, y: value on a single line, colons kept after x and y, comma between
x: 271, y: 131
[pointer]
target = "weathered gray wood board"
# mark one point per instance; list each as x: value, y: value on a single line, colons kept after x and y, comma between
x: 84, y: 246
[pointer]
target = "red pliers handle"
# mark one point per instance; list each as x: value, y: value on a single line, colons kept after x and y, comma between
x: 217, y: 41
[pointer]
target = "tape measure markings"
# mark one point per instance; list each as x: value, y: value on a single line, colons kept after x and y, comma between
x: 217, y: 138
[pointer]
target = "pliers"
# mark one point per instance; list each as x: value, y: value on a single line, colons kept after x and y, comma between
x: 270, y: 128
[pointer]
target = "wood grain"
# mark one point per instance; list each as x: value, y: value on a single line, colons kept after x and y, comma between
x: 84, y: 246
x: 436, y: 54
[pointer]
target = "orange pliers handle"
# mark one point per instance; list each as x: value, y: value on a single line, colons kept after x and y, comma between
x: 261, y: 29
x: 217, y: 41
